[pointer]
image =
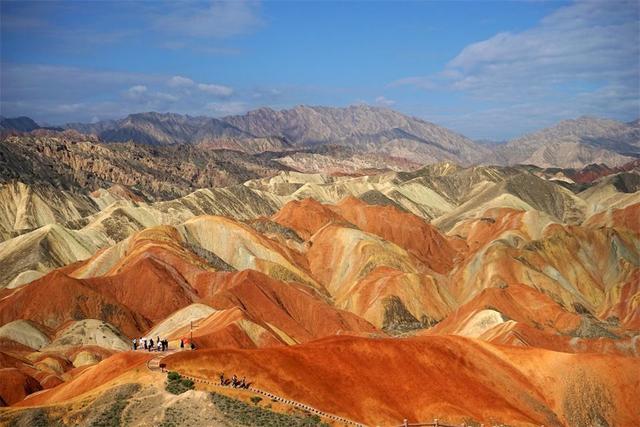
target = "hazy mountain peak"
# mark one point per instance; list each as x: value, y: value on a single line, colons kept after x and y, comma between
x: 369, y: 128
x: 574, y: 143
x: 22, y: 123
x: 590, y: 127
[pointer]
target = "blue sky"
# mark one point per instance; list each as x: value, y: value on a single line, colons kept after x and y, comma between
x: 487, y: 69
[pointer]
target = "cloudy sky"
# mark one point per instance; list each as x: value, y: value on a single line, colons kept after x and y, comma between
x: 486, y: 69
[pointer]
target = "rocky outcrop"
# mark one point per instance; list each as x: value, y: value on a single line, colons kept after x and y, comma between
x: 79, y: 164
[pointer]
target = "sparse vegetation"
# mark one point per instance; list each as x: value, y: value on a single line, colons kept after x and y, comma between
x: 591, y: 327
x: 256, y: 399
x: 375, y: 197
x: 581, y: 309
x: 108, y: 311
x: 266, y: 226
x: 613, y: 320
x: 397, y: 319
x: 108, y: 408
x: 171, y: 418
x: 212, y: 259
x: 588, y: 402
x: 247, y: 415
x: 111, y: 416
x: 176, y: 384
x: 33, y: 418
x: 281, y: 273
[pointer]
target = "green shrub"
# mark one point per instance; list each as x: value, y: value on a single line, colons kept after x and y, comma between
x: 256, y: 399
x: 178, y: 385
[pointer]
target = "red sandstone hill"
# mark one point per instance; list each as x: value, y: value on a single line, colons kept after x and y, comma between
x: 406, y: 230
x: 91, y: 379
x: 628, y: 217
x: 57, y: 298
x: 514, y: 302
x: 289, y: 307
x: 153, y: 276
x: 519, y: 315
x: 306, y: 217
x: 383, y: 381
x: 16, y: 385
x: 592, y: 172
x: 140, y: 284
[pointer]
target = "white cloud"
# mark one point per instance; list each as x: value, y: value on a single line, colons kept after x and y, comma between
x: 216, y: 90
x: 586, y: 42
x: 58, y: 95
x: 269, y: 95
x: 217, y: 19
x: 141, y: 97
x: 162, y: 96
x: 179, y: 81
x: 137, y: 89
x: 35, y: 18
x: 583, y: 58
x: 220, y: 91
x: 19, y: 77
x: 381, y: 100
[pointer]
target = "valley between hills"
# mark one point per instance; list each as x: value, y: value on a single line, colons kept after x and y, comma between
x: 360, y: 280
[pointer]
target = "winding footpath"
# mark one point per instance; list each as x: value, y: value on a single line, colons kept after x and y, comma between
x: 154, y: 366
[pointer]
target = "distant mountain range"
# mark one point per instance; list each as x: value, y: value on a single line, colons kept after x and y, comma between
x: 314, y: 134
x: 370, y: 129
x: 168, y: 129
x: 574, y: 143
x: 22, y: 124
x: 367, y: 129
